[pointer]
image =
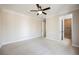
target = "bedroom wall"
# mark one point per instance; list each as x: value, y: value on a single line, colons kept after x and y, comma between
x: 16, y: 26
x: 52, y: 28
x: 0, y: 30
x: 75, y: 36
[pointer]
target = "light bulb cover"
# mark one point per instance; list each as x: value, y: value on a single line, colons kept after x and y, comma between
x: 40, y: 12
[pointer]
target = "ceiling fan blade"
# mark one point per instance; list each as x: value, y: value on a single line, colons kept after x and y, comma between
x: 44, y: 13
x: 46, y: 8
x: 33, y: 10
x: 37, y: 5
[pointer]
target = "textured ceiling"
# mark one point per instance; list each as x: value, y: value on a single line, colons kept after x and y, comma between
x: 56, y: 9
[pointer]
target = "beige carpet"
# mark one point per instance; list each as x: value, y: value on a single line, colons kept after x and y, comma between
x: 37, y: 46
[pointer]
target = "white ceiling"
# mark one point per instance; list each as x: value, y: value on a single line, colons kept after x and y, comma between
x: 56, y: 9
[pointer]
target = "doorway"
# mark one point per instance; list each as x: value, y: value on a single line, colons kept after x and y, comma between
x: 66, y: 29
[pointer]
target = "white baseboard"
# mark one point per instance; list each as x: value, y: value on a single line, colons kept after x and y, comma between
x: 61, y: 41
x: 24, y: 38
x: 75, y: 45
x: 53, y: 39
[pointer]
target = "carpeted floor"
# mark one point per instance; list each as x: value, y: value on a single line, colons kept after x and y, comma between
x: 38, y: 46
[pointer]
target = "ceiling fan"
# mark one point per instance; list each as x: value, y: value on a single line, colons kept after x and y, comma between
x: 40, y: 10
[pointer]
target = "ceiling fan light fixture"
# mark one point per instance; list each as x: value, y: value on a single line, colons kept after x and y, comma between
x: 40, y: 12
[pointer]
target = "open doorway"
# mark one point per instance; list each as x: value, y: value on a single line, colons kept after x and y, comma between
x: 66, y: 29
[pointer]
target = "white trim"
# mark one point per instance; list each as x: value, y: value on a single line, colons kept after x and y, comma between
x: 25, y: 38
x: 61, y: 41
x: 52, y: 39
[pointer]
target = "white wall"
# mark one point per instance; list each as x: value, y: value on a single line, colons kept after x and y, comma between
x: 0, y: 31
x: 16, y: 26
x: 52, y: 28
x: 75, y: 36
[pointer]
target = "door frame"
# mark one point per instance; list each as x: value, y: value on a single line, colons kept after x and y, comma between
x: 62, y: 18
